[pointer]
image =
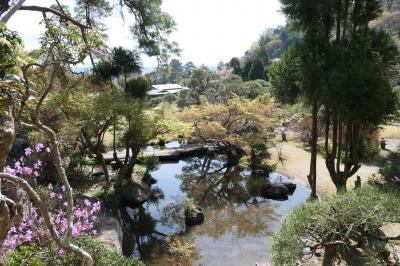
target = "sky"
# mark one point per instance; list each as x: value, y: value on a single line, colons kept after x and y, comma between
x: 208, y: 31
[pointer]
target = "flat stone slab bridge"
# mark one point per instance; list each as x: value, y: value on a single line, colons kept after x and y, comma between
x: 164, y: 155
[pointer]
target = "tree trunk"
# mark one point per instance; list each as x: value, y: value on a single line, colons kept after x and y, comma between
x: 102, y: 162
x: 7, y: 130
x: 312, y: 177
x: 340, y: 183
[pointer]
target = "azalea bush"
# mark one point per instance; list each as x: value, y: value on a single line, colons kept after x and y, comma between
x: 32, y: 228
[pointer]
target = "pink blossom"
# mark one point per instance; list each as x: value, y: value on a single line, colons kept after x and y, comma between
x: 37, y: 165
x: 39, y: 147
x: 32, y: 227
x: 27, y: 171
x: 87, y: 202
x: 28, y: 151
x: 9, y: 170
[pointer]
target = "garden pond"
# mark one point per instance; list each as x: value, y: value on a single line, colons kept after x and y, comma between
x: 238, y: 225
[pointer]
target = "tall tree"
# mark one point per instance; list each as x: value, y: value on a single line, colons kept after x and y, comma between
x: 315, y: 21
x: 175, y: 70
x: 188, y: 69
x: 257, y: 70
x: 359, y: 95
x: 235, y: 65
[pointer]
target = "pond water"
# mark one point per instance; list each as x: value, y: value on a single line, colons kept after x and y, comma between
x: 169, y: 145
x: 238, y: 225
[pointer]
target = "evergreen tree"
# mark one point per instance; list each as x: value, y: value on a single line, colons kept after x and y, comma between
x: 256, y: 70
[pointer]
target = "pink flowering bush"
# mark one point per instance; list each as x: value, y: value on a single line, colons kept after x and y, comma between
x: 32, y: 228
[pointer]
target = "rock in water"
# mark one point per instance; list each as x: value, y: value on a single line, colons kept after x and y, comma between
x: 275, y: 191
x: 157, y: 194
x: 291, y: 187
x: 135, y: 193
x: 194, y: 216
x: 149, y: 180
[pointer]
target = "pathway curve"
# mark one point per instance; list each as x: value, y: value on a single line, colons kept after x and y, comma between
x: 296, y: 166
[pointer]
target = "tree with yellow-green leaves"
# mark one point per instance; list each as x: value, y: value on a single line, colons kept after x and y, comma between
x: 233, y: 127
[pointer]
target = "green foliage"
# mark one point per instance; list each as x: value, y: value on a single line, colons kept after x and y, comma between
x: 391, y: 168
x: 154, y: 102
x: 92, y: 12
x: 339, y: 219
x: 9, y: 45
x: 391, y: 5
x: 26, y: 255
x: 257, y: 70
x: 368, y: 149
x: 63, y: 40
x: 170, y: 98
x: 109, y: 200
x: 219, y: 89
x: 175, y: 128
x: 277, y: 40
x: 201, y: 80
x: 106, y: 69
x: 235, y: 65
x: 152, y: 26
x: 33, y: 255
x: 138, y: 87
x: 140, y: 126
x: 126, y: 61
x: 176, y: 71
x: 151, y: 163
x: 270, y: 45
x: 396, y: 91
x: 286, y: 76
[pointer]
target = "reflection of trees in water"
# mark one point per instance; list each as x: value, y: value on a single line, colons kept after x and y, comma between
x: 250, y: 221
x: 229, y: 200
x: 228, y: 197
x: 142, y: 240
x: 140, y: 237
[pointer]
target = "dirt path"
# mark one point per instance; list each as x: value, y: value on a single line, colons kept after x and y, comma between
x: 296, y: 166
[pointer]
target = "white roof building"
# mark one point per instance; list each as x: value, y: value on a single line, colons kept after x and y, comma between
x: 159, y: 90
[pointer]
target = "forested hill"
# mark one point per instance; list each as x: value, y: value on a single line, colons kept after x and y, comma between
x: 390, y: 19
x: 274, y: 41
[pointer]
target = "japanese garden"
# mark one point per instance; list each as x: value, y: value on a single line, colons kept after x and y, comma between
x: 166, y: 132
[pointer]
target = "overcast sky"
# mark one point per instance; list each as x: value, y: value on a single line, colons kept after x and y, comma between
x: 208, y: 31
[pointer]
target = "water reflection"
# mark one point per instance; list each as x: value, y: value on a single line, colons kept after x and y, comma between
x: 238, y: 223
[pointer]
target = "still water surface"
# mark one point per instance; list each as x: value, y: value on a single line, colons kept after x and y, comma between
x: 238, y: 226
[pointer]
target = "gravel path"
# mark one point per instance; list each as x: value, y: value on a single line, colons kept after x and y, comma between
x: 297, y: 162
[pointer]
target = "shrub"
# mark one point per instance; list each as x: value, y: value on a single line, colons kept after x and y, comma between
x: 34, y: 255
x: 368, y: 149
x: 138, y: 87
x: 391, y: 168
x: 155, y: 101
x: 109, y: 200
x: 32, y: 228
x: 170, y: 98
x: 336, y: 222
x: 152, y: 163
